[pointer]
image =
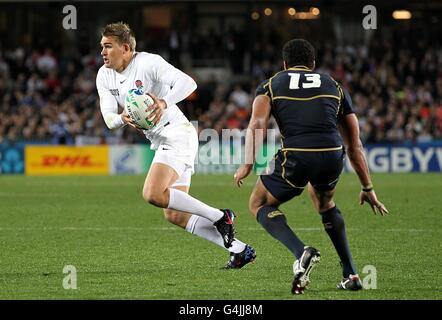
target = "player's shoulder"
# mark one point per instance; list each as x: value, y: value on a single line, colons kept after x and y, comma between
x: 264, y: 83
x: 149, y: 59
x: 262, y: 88
x: 103, y: 74
x: 143, y: 55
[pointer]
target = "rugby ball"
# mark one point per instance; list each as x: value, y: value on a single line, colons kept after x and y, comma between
x: 135, y: 105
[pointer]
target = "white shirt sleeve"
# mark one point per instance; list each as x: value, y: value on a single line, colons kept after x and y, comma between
x: 180, y: 83
x: 108, y: 104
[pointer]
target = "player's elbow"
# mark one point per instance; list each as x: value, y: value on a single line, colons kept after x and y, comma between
x: 192, y: 85
x: 257, y: 123
x: 355, y: 150
x: 108, y: 120
x: 113, y: 121
x: 355, y: 147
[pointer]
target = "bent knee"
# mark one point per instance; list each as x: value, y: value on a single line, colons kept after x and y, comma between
x: 326, y: 206
x: 254, y: 204
x: 156, y: 197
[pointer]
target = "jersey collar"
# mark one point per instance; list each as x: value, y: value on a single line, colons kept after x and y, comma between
x: 300, y: 68
x: 126, y: 71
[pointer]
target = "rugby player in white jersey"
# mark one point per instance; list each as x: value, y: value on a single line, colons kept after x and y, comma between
x: 173, y: 137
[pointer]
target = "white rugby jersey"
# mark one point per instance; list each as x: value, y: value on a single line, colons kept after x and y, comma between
x: 152, y: 74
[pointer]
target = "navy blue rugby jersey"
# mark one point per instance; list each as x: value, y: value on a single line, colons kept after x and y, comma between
x: 307, y: 106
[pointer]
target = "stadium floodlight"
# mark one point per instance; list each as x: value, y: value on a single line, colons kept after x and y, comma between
x: 401, y: 15
x: 315, y: 11
x: 291, y: 11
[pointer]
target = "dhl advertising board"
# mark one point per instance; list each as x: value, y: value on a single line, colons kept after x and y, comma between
x: 65, y: 160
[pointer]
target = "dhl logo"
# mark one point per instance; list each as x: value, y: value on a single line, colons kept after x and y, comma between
x: 61, y: 160
x: 68, y: 161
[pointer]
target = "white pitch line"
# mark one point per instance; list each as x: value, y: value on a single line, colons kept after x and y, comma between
x: 177, y: 228
x: 33, y: 194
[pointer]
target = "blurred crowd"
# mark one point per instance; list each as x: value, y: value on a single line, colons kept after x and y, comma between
x: 396, y: 89
x: 48, y: 95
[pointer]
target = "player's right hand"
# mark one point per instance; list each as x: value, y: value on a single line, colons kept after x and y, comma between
x: 375, y: 204
x: 242, y: 173
x: 127, y: 120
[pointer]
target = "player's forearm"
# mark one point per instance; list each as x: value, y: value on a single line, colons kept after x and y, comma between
x: 181, y: 89
x: 113, y: 120
x: 254, y: 140
x: 359, y: 164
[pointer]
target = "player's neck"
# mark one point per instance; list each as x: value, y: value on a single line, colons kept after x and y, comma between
x: 126, y: 62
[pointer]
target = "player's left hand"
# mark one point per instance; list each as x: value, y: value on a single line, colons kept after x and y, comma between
x: 157, y: 109
x: 375, y: 204
x: 242, y: 173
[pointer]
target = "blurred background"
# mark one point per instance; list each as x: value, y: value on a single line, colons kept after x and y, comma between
x: 393, y: 73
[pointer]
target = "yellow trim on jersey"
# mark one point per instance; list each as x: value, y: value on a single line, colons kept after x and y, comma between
x: 341, y: 95
x: 299, y: 68
x: 270, y: 88
x: 312, y: 150
x: 283, y: 172
x: 309, y: 98
x: 267, y: 91
x: 270, y: 83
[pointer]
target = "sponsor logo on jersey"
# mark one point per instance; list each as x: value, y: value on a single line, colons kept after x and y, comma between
x: 275, y: 213
x: 114, y: 92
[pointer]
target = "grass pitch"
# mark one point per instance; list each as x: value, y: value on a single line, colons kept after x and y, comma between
x: 123, y: 248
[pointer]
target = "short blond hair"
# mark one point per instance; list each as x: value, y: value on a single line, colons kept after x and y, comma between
x: 122, y: 32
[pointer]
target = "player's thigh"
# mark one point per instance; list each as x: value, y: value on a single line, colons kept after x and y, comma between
x: 261, y: 197
x: 276, y: 187
x: 178, y: 218
x: 159, y: 178
x: 322, y: 186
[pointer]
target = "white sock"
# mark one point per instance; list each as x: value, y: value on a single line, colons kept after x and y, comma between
x: 204, y: 228
x: 181, y: 201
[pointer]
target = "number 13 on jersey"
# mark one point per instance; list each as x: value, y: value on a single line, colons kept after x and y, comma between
x: 312, y: 80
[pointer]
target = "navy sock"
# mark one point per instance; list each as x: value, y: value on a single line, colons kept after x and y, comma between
x: 335, y: 227
x: 275, y: 223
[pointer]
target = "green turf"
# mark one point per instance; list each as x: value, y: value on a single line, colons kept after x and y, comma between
x: 124, y: 249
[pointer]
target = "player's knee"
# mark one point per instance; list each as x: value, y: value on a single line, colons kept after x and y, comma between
x: 322, y: 200
x: 254, y: 205
x: 155, y: 197
x: 324, y: 206
x: 175, y: 217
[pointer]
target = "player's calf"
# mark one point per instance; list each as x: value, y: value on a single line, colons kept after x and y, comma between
x: 177, y: 218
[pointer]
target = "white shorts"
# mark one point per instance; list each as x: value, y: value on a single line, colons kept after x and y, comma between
x: 178, y: 150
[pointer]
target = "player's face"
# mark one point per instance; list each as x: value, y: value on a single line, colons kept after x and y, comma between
x: 112, y: 52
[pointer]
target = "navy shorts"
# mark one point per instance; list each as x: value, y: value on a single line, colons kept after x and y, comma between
x: 294, y: 169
